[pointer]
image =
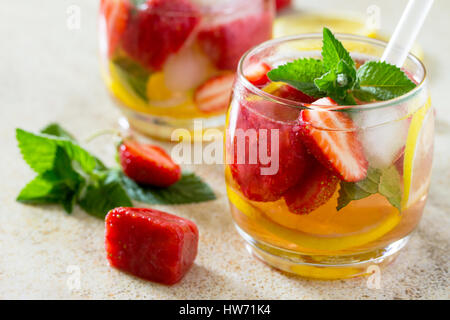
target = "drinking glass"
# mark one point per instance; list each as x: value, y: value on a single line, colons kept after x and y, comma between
x: 273, y: 181
x: 170, y: 62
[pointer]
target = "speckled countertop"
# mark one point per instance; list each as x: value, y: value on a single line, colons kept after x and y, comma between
x: 50, y: 73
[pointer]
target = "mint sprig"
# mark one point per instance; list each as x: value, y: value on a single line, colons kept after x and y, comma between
x: 134, y: 75
x: 386, y: 182
x: 67, y: 175
x: 336, y: 76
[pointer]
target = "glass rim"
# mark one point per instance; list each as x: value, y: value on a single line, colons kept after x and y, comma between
x: 318, y: 36
x: 202, y: 9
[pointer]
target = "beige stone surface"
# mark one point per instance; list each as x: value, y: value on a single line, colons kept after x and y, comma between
x: 50, y: 73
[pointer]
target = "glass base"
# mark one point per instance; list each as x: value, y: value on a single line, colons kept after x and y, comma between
x: 323, y: 267
x: 163, y: 128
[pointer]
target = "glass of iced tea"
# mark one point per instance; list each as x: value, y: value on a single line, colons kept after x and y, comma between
x: 170, y: 62
x: 321, y: 189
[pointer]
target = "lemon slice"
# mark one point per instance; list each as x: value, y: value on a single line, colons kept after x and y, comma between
x: 332, y: 243
x: 157, y: 89
x: 273, y: 86
x: 181, y: 109
x: 418, y: 156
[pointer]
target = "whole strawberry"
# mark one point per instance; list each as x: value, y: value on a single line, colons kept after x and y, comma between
x: 148, y: 164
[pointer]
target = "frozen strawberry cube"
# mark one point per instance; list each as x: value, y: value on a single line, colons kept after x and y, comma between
x: 150, y: 244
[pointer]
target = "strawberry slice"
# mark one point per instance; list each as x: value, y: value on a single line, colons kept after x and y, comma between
x: 291, y: 158
x: 317, y: 187
x: 331, y: 137
x: 256, y: 73
x: 214, y: 95
x: 148, y: 164
x: 226, y: 40
x: 116, y: 15
x: 159, y: 29
x: 281, y: 4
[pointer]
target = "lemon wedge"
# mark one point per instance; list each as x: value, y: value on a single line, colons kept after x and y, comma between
x: 418, y: 155
x: 157, y: 89
x: 181, y: 107
x: 310, y: 242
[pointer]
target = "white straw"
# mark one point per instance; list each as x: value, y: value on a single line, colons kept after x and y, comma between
x: 406, y: 31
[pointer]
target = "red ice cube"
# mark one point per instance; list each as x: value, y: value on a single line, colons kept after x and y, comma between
x: 150, y: 244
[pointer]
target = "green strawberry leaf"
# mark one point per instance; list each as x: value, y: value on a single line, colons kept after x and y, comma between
x: 134, y: 75
x: 107, y: 194
x: 300, y: 74
x: 333, y: 51
x: 386, y: 182
x: 190, y: 189
x: 383, y: 81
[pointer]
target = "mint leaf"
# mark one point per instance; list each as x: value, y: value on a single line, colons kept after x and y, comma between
x: 336, y: 76
x: 386, y: 182
x: 134, y: 75
x: 39, y: 151
x: 364, y: 96
x: 383, y: 81
x: 333, y: 51
x: 327, y: 82
x: 337, y: 83
x: 42, y: 190
x: 108, y: 194
x: 350, y: 191
x: 56, y: 130
x: 390, y: 186
x: 137, y: 3
x: 190, y: 189
x: 300, y: 74
x: 58, y: 185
